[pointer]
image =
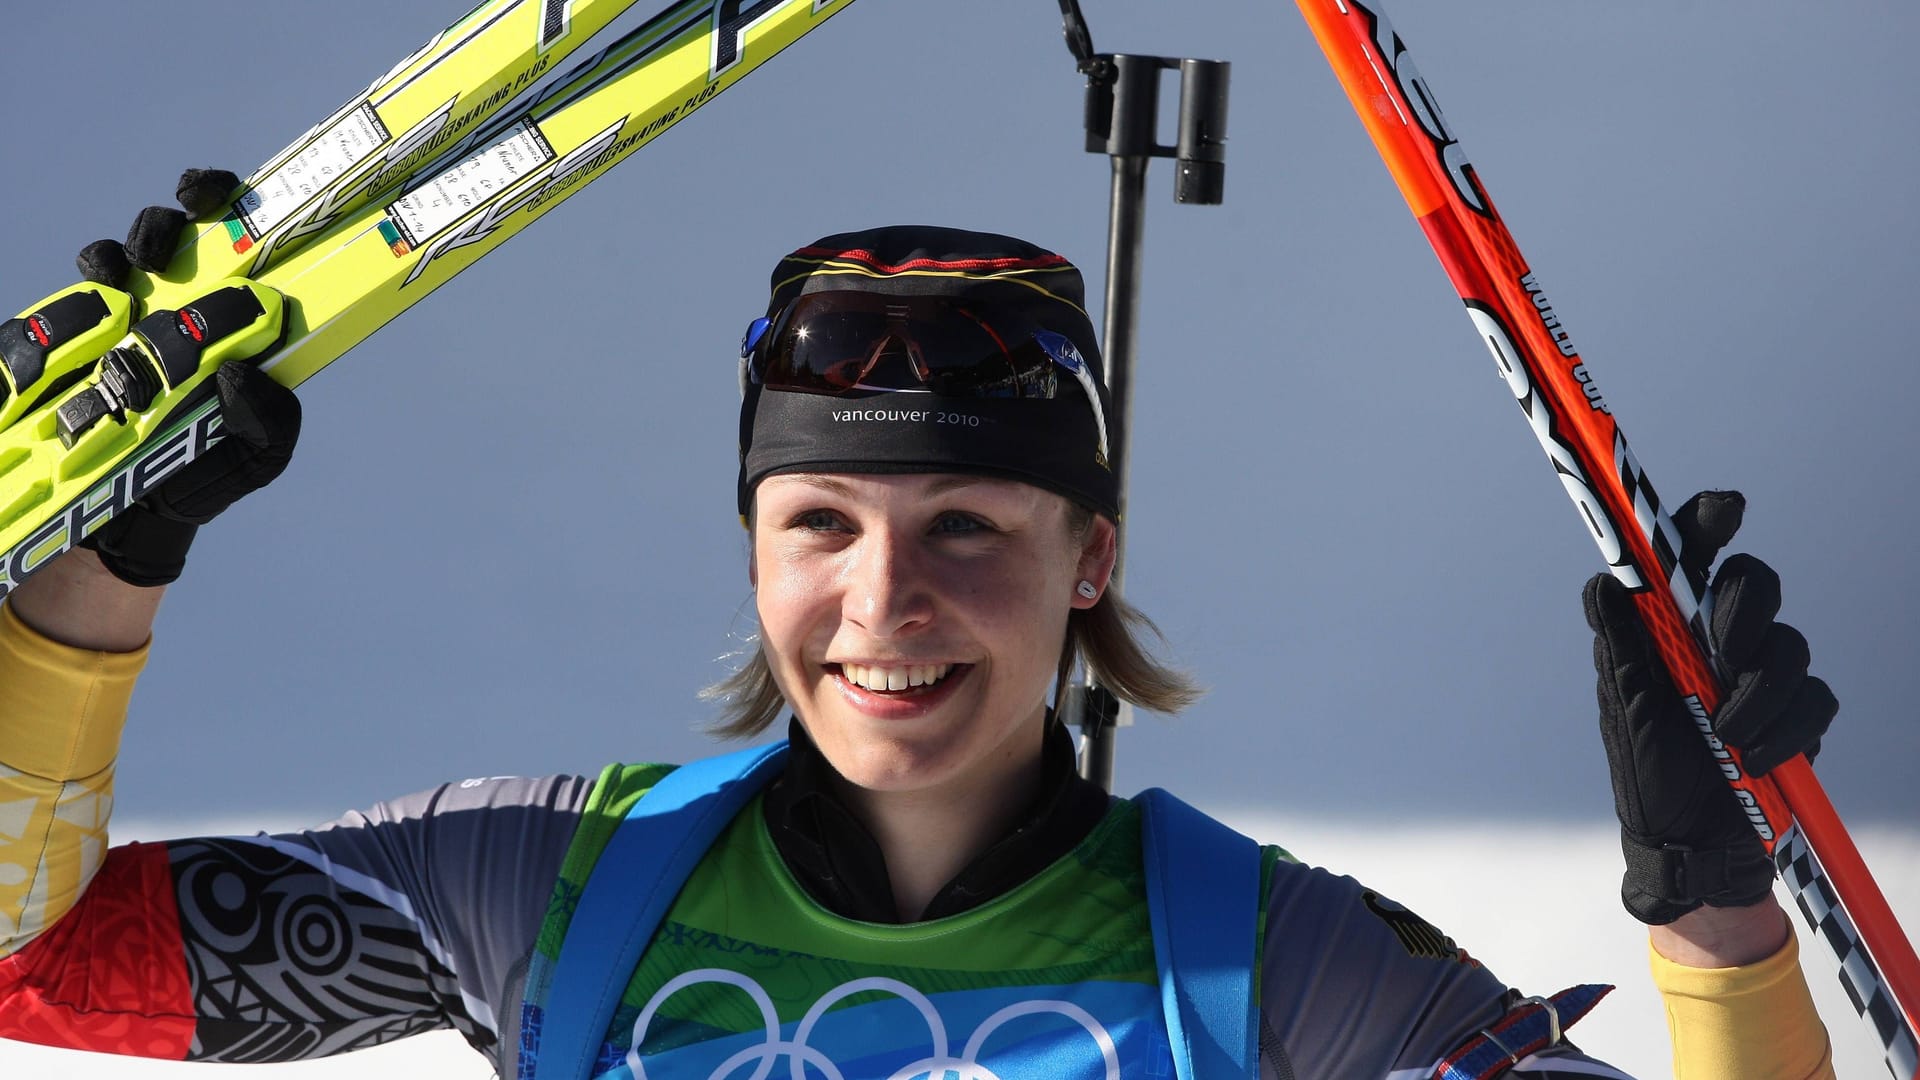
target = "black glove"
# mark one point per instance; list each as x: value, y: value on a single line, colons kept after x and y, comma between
x: 1686, y: 840
x: 146, y: 544
x: 156, y: 231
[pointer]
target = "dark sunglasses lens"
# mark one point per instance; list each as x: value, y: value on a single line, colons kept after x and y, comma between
x: 977, y: 358
x: 823, y: 351
x: 830, y: 343
x: 1021, y: 370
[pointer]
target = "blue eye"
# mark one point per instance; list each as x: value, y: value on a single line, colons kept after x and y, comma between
x: 954, y: 523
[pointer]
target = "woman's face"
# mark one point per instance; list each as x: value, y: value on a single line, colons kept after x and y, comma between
x: 915, y: 622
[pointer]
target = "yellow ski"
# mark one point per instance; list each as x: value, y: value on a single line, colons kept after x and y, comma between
x: 441, y: 92
x: 374, y: 263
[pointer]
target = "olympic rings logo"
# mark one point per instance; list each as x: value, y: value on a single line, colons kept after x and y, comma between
x: 938, y: 1063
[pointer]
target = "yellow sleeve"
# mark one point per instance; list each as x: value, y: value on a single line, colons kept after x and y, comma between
x: 61, y: 713
x: 1752, y: 1023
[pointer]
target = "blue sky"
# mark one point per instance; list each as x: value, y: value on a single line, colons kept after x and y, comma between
x: 508, y: 542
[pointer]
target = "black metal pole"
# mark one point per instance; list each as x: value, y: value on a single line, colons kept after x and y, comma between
x: 1126, y: 229
x: 1101, y: 713
x: 1122, y: 114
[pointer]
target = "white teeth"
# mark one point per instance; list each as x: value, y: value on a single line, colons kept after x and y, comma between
x: 894, y: 678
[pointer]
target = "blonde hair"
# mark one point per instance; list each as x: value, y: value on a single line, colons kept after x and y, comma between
x: 1106, y: 637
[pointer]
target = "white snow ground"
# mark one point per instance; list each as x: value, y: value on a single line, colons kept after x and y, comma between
x: 1534, y: 903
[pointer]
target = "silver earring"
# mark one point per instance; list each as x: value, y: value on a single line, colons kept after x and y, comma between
x: 1086, y: 589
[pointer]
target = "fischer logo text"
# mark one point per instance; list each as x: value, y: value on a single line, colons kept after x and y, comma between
x: 114, y: 494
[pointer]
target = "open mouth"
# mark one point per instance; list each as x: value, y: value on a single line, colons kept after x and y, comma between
x: 902, y: 679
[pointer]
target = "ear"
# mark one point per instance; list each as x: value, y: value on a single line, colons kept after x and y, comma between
x: 1097, y: 556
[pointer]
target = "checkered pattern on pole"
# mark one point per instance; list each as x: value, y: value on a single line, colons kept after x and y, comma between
x: 1800, y: 869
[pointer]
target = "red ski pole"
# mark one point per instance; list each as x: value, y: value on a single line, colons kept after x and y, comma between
x: 1810, y: 846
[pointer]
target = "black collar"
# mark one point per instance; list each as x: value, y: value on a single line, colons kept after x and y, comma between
x: 838, y: 863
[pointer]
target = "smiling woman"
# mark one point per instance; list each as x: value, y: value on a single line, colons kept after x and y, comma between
x: 1105, y: 632
x: 924, y: 471
x: 862, y: 581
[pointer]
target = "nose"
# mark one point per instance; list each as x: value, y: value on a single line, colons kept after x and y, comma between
x: 888, y: 592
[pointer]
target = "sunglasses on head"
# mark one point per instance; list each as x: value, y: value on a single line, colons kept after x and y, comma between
x: 839, y: 343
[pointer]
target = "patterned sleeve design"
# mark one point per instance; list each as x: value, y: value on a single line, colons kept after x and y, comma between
x: 417, y: 914
x: 286, y: 961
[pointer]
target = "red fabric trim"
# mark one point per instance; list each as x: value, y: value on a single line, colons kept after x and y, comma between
x: 862, y: 255
x: 110, y: 975
x: 1513, y: 1017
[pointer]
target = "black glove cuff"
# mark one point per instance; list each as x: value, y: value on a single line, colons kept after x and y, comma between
x: 142, y: 548
x: 1663, y: 883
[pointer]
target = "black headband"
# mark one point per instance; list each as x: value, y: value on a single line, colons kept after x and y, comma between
x: 1051, y: 443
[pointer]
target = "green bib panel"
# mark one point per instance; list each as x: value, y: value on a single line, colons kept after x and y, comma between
x: 1053, y: 979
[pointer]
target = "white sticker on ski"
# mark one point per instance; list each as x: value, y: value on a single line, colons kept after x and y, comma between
x: 428, y: 209
x: 284, y: 190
